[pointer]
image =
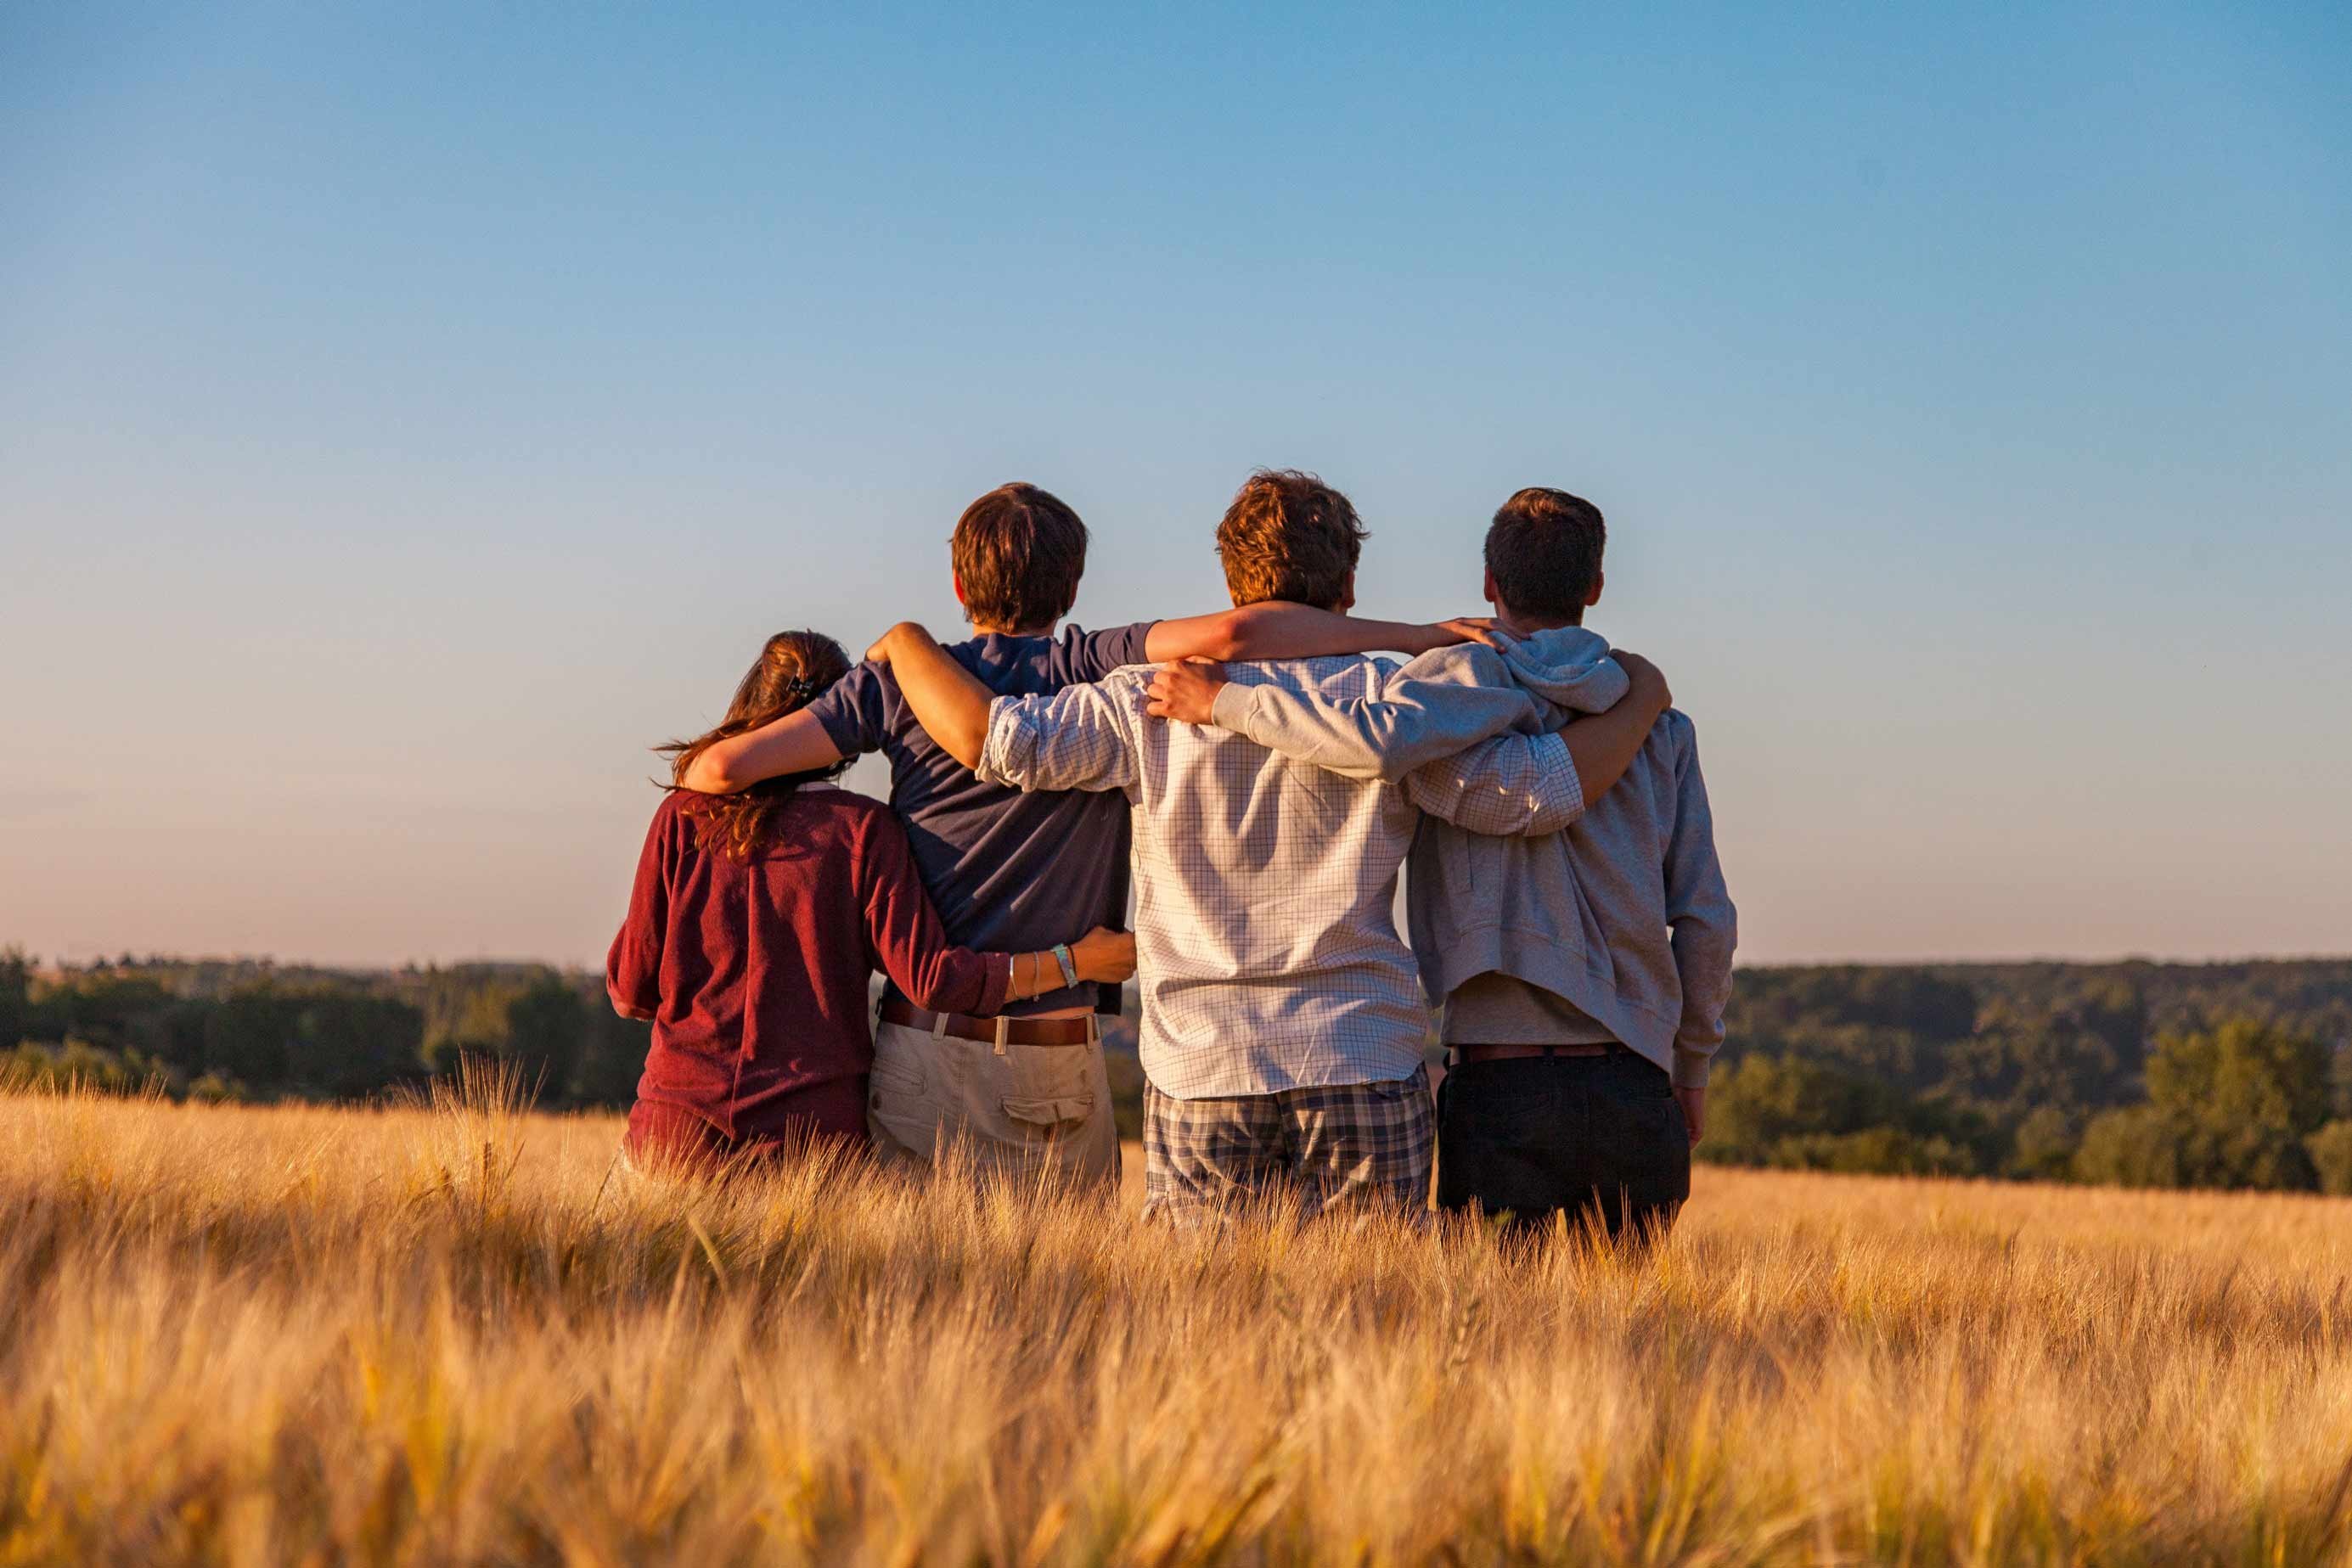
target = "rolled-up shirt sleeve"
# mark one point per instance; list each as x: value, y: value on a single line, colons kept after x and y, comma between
x: 1076, y: 738
x: 1510, y: 786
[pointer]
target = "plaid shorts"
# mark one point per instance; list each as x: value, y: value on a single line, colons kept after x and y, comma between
x: 1341, y: 1145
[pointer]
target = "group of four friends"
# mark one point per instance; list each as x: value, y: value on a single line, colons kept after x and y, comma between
x: 1254, y: 779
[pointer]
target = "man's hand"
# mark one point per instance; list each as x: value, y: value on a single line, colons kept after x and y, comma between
x: 1469, y: 629
x: 1693, y: 1111
x: 1186, y: 691
x: 1448, y: 633
x: 1649, y: 688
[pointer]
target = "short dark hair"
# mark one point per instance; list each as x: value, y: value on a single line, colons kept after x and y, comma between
x: 1019, y: 552
x: 1289, y: 535
x: 1544, y: 550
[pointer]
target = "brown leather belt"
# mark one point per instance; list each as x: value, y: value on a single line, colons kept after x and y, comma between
x: 1017, y: 1031
x: 1520, y: 1052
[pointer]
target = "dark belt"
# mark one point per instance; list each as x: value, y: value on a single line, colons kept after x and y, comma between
x: 1520, y: 1052
x: 1017, y: 1031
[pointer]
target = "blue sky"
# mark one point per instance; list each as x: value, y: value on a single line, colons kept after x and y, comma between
x: 408, y: 416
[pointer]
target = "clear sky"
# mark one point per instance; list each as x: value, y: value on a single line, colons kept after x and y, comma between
x: 408, y: 415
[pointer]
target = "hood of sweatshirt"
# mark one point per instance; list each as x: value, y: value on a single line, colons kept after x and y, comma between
x: 1568, y: 666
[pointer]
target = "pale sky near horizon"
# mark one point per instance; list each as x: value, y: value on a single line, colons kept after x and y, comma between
x: 407, y: 416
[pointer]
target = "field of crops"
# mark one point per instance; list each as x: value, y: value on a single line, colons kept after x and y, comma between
x: 457, y: 1335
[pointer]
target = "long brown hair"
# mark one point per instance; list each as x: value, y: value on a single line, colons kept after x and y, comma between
x: 791, y: 670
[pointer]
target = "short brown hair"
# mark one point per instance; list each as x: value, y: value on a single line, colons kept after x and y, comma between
x: 1289, y: 535
x: 1019, y: 552
x: 1544, y: 552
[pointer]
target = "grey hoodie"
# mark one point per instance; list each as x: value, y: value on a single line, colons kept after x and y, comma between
x: 1625, y: 914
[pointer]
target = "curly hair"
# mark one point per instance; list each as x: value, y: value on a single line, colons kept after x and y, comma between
x: 1289, y: 535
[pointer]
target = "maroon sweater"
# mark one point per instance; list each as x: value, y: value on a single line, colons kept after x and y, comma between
x: 756, y: 971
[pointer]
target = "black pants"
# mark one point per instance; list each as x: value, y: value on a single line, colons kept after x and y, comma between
x: 1601, y: 1139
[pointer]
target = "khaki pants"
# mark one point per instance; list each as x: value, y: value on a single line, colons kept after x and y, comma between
x: 1022, y: 1109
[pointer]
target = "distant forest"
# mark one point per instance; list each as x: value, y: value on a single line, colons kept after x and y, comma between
x: 2139, y: 1074
x: 2214, y: 1075
x: 253, y: 1029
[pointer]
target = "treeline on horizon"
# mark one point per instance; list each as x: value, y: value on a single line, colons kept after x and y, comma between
x: 250, y: 1029
x: 2133, y: 1074
x: 2141, y: 1074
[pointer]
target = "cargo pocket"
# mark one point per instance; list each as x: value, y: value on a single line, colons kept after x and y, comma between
x: 1043, y: 1072
x: 1058, y: 1116
x: 1044, y: 1094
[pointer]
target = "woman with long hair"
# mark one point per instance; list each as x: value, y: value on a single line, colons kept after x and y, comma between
x: 756, y: 924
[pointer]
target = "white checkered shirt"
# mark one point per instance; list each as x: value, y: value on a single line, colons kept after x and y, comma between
x: 1265, y: 938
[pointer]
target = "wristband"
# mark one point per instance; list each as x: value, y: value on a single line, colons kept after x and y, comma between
x: 1069, y: 966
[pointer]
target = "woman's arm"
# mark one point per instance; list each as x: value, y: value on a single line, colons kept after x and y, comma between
x: 1101, y: 956
x: 632, y: 966
x: 795, y: 743
x: 908, y: 943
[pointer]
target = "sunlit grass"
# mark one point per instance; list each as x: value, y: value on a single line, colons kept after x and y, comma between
x: 456, y: 1333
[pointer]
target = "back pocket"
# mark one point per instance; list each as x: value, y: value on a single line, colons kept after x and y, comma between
x: 897, y: 1076
x: 1509, y: 1109
x: 1048, y: 1117
x: 1040, y: 1073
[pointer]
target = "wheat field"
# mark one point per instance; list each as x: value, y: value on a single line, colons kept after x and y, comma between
x: 455, y: 1334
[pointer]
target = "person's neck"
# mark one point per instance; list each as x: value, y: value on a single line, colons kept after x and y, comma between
x: 980, y: 629
x: 1529, y: 625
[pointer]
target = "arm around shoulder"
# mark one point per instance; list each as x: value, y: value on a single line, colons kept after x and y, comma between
x: 949, y: 701
x: 1275, y: 629
x: 1439, y: 705
x: 1080, y: 738
x: 1512, y: 786
x: 1605, y: 744
x: 796, y: 743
